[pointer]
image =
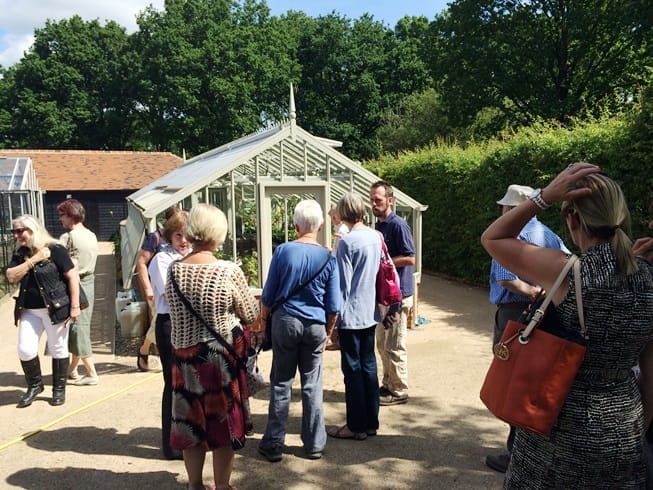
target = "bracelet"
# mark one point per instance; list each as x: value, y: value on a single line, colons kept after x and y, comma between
x: 75, y: 307
x: 536, y: 197
x: 30, y: 264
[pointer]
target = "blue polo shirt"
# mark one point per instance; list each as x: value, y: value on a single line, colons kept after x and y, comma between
x: 399, y: 240
x: 534, y: 232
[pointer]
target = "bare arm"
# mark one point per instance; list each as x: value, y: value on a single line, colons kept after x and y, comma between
x: 144, y: 256
x: 643, y: 247
x: 73, y: 289
x: 16, y: 274
x: 522, y: 288
x: 403, y: 261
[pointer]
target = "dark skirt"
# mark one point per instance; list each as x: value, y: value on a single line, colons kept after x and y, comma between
x: 210, y: 405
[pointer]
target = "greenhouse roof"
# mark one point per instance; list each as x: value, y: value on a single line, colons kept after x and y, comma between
x: 17, y: 174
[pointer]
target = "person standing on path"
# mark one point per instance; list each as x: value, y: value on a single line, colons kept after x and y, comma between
x: 510, y: 294
x: 391, y: 333
x: 359, y: 255
x: 82, y: 247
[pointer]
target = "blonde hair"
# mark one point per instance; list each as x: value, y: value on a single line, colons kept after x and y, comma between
x: 205, y: 224
x: 173, y: 224
x: 604, y: 214
x: 40, y: 237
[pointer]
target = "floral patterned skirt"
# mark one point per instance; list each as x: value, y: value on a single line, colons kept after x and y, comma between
x: 210, y: 404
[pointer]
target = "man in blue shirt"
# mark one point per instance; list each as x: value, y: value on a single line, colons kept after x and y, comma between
x: 391, y: 334
x: 511, y: 294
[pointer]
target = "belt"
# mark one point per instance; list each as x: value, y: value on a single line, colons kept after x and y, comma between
x: 513, y: 306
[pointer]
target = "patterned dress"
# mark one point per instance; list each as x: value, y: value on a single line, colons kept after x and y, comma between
x: 210, y: 405
x: 597, y: 440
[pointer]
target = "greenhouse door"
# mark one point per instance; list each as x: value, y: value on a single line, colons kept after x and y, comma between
x: 276, y: 208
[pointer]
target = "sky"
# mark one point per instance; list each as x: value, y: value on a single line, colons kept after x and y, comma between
x: 19, y: 18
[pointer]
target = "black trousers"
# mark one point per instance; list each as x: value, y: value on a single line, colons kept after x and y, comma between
x: 164, y: 344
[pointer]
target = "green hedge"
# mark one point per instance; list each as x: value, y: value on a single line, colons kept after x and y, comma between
x: 461, y: 185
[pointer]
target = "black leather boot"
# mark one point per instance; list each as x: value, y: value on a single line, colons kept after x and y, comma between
x: 59, y: 375
x: 32, y: 370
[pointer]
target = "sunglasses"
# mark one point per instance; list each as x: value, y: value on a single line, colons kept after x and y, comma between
x: 19, y: 231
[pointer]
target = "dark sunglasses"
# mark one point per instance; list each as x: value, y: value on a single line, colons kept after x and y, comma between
x: 19, y: 231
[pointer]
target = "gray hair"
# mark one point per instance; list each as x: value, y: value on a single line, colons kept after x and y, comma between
x: 351, y: 208
x: 308, y: 216
x: 205, y: 224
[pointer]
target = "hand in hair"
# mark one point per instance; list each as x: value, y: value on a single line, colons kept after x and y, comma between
x: 643, y: 247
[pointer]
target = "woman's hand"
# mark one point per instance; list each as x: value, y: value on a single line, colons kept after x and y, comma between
x: 563, y: 187
x: 643, y: 247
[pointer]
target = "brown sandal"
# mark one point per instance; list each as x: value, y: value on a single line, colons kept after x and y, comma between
x: 344, y: 433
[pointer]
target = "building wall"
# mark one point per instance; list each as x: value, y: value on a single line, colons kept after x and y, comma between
x: 104, y: 211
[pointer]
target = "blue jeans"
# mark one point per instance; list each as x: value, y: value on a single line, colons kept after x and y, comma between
x: 358, y: 363
x: 296, y: 343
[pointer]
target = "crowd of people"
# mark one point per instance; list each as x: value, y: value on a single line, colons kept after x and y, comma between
x: 315, y: 294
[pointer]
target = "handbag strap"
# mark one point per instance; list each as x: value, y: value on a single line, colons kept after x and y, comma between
x: 218, y: 337
x: 384, y: 248
x: 301, y: 286
x: 539, y: 312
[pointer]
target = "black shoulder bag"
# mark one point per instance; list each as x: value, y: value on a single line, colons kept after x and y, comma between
x: 267, y: 340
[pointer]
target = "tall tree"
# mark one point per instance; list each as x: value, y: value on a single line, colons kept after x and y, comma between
x: 549, y: 59
x: 69, y: 91
x: 212, y: 71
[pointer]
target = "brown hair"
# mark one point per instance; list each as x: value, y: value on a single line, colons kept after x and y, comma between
x: 72, y: 208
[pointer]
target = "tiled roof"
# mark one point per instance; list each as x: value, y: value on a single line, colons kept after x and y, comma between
x: 89, y: 170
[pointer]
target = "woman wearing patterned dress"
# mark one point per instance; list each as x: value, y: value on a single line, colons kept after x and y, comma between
x: 597, y: 439
x: 210, y: 407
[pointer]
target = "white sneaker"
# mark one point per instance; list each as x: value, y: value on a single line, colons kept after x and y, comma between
x: 87, y: 381
x: 74, y: 375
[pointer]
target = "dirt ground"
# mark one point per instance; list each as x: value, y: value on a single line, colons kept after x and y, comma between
x: 107, y: 436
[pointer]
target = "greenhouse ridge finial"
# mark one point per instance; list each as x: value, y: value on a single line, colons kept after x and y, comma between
x: 293, y: 113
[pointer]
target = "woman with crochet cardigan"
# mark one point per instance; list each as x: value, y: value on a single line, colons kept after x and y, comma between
x: 210, y: 406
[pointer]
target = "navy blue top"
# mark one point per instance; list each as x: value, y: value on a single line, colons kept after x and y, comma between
x: 399, y: 240
x: 294, y: 263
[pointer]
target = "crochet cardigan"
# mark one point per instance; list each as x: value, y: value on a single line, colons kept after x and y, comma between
x: 218, y: 292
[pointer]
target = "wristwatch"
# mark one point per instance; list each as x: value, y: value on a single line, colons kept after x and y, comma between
x: 536, y: 197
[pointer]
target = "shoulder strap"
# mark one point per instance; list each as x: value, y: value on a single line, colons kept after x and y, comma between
x: 539, y: 313
x: 301, y: 286
x: 218, y: 337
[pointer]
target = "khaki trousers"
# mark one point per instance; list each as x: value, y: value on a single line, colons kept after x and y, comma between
x: 391, y: 345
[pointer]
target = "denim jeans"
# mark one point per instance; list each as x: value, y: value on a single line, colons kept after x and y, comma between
x: 358, y: 363
x: 296, y: 343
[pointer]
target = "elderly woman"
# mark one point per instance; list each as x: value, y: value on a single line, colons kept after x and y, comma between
x: 597, y: 440
x: 176, y: 247
x: 82, y: 246
x: 48, y: 301
x: 209, y: 300
x: 359, y: 256
x: 301, y: 298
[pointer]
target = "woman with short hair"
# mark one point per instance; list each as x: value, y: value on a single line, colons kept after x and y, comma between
x: 208, y: 299
x: 359, y: 256
x: 301, y: 299
x: 82, y: 246
x: 48, y: 301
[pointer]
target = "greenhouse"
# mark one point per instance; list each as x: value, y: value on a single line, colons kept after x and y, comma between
x: 256, y: 181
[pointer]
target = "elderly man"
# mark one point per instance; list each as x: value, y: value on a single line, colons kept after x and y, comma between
x: 511, y: 294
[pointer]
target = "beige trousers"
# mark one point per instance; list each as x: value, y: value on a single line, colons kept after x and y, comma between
x: 391, y: 345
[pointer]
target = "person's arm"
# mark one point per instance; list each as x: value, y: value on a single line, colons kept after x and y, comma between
x: 72, y: 276
x: 522, y: 288
x: 643, y: 247
x: 406, y: 247
x: 403, y: 261
x: 535, y: 264
x: 143, y: 258
x: 245, y: 303
x: 16, y: 273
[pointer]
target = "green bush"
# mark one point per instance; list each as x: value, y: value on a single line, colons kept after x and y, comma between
x: 461, y: 185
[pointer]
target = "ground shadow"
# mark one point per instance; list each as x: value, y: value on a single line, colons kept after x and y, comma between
x: 69, y: 477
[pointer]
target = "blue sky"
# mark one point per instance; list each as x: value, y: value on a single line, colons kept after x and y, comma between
x: 19, y: 18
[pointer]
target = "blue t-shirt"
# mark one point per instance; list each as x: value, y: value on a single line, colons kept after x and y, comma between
x: 534, y: 232
x: 399, y: 240
x: 294, y: 263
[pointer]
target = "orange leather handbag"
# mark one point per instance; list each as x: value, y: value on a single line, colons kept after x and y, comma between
x: 532, y: 369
